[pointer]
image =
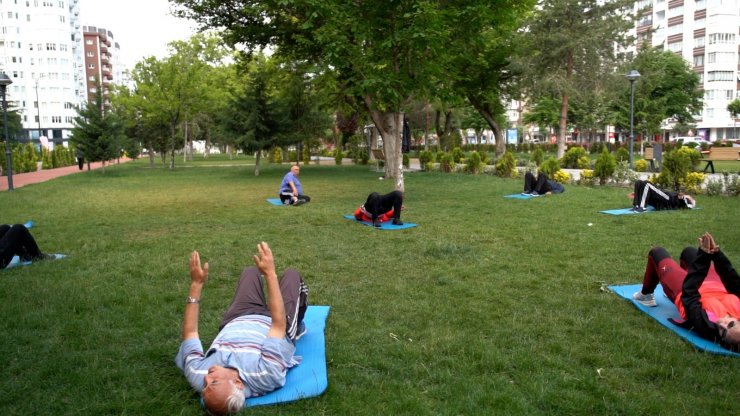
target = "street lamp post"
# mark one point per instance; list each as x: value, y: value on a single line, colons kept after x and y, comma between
x: 38, y: 104
x: 632, y: 76
x: 4, y: 82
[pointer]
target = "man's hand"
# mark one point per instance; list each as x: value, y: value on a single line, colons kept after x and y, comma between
x: 263, y: 259
x: 198, y: 274
x: 707, y: 244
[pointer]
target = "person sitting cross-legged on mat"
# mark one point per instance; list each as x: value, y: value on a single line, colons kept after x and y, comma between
x: 705, y: 289
x: 381, y: 208
x: 541, y: 185
x: 16, y: 240
x: 291, y: 190
x: 255, y: 345
x: 648, y: 194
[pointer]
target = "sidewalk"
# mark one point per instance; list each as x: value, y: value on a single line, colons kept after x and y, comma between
x: 22, y: 179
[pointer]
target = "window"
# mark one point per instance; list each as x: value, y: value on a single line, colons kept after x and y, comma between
x: 93, y: 90
x: 721, y: 38
x: 700, y: 23
x: 56, y: 119
x: 91, y: 66
x: 699, y: 42
x: 62, y: 19
x: 701, y: 4
x: 672, y: 30
x: 91, y: 78
x: 675, y: 11
x: 698, y: 60
x: 90, y: 54
x: 88, y: 42
x: 720, y: 76
x: 675, y: 46
x: 720, y: 57
x: 51, y: 46
x: 63, y: 47
x: 660, y: 16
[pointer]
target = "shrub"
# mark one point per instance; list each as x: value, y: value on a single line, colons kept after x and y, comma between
x: 338, y: 155
x: 575, y: 158
x: 46, y: 162
x: 446, y: 163
x: 538, y: 155
x: 732, y: 184
x: 474, y: 163
x: 276, y: 155
x: 483, y: 156
x: 714, y: 187
x: 596, y: 147
x: 587, y: 177
x: 457, y: 155
x: 623, y: 154
x: 425, y: 157
x: 561, y: 176
x: 506, y: 165
x: 623, y: 173
x: 605, y: 166
x: 429, y: 166
x: 550, y: 166
x: 406, y: 162
x: 30, y: 157
x: 641, y: 165
x: 305, y: 154
x: 676, y: 166
x: 691, y: 183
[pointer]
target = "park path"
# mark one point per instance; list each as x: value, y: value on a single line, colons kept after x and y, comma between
x: 28, y: 178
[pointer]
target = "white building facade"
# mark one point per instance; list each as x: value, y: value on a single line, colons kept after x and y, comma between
x: 706, y: 33
x: 41, y: 51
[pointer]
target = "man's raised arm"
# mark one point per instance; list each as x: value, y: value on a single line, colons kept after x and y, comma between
x: 198, y: 277
x: 265, y: 262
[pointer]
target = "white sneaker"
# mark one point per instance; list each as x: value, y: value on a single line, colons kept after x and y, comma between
x: 647, y: 300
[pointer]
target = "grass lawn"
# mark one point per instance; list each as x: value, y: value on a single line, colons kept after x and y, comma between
x: 490, y: 306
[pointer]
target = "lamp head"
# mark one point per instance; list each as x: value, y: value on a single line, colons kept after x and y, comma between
x: 632, y: 75
x: 5, y: 80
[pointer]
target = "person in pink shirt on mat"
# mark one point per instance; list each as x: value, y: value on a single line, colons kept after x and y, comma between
x: 705, y: 289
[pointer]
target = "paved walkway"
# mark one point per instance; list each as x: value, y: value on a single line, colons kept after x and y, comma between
x: 22, y: 179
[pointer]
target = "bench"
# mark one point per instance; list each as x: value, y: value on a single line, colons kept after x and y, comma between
x: 719, y: 153
x: 648, y: 156
x: 379, y: 156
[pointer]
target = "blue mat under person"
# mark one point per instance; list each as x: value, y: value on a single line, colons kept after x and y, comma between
x: 383, y: 225
x: 275, y: 201
x: 702, y: 294
x: 256, y: 343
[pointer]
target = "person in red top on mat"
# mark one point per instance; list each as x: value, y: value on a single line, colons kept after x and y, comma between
x: 705, y: 288
x: 381, y: 208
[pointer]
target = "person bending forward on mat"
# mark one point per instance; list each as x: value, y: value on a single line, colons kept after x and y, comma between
x: 704, y: 288
x: 381, y: 208
x: 291, y: 190
x: 255, y: 345
x: 648, y: 194
x: 541, y: 185
x: 16, y: 240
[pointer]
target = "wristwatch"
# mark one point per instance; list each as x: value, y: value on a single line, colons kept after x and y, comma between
x: 192, y: 300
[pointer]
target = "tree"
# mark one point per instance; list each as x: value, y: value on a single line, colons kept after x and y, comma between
x: 388, y: 53
x: 568, y: 44
x: 734, y: 109
x: 95, y: 133
x: 667, y: 88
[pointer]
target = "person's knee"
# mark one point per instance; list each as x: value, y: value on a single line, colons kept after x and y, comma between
x: 659, y: 254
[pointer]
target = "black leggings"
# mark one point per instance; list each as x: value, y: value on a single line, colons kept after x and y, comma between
x: 16, y: 240
x: 538, y: 185
x: 378, y: 205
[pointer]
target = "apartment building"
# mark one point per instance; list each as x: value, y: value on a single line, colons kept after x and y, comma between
x: 100, y: 50
x: 40, y: 50
x: 706, y: 33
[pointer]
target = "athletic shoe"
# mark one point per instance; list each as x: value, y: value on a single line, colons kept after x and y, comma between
x: 299, y: 202
x: 525, y: 193
x: 534, y: 193
x: 640, y: 209
x: 647, y: 300
x: 301, y: 331
x: 397, y: 221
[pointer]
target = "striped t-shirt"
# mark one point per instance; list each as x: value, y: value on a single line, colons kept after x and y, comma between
x: 242, y: 344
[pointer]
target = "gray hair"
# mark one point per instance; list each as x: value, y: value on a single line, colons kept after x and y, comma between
x: 235, y: 401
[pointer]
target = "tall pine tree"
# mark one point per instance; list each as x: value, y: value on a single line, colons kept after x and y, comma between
x: 94, y: 134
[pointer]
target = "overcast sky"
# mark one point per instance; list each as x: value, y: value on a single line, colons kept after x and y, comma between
x: 141, y: 27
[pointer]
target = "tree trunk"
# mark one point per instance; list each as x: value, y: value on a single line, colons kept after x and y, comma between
x: 151, y: 158
x: 207, y: 149
x: 390, y: 126
x: 563, y: 125
x: 485, y: 112
x: 257, y: 163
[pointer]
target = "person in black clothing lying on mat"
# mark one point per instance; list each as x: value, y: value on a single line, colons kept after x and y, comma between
x: 16, y: 240
x: 380, y: 208
x: 541, y: 185
x: 648, y: 194
x: 704, y: 287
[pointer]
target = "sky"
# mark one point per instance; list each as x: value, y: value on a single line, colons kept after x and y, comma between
x: 142, y: 28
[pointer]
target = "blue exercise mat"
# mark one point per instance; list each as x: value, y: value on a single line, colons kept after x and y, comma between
x: 307, y: 379
x: 16, y: 261
x: 383, y: 225
x: 626, y: 211
x: 28, y: 224
x: 275, y: 201
x: 521, y: 196
x: 666, y: 309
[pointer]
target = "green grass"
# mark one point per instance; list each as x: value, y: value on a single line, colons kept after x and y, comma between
x: 490, y: 306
